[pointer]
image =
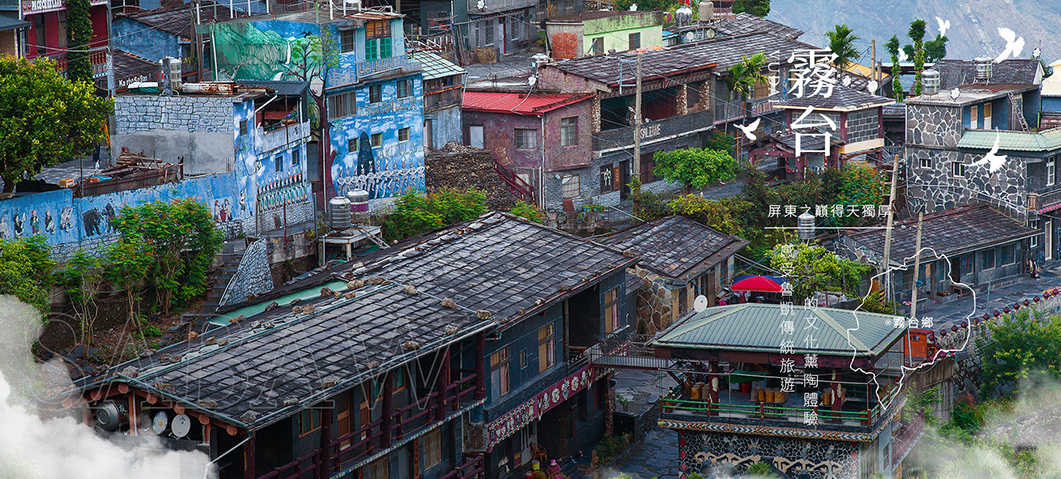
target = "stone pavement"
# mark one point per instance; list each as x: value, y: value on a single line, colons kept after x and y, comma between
x: 946, y: 314
x: 656, y: 456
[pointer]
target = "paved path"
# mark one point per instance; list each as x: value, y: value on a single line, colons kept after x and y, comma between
x: 946, y: 314
x: 656, y: 456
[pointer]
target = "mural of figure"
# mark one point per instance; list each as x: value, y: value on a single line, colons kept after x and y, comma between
x: 366, y: 163
x: 18, y: 220
x: 4, y: 228
x: 96, y: 221
x: 49, y: 222
x: 243, y: 203
x: 65, y: 217
x: 34, y: 222
x: 217, y: 211
x: 223, y: 214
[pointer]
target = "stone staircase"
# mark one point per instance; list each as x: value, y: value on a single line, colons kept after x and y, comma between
x: 231, y: 255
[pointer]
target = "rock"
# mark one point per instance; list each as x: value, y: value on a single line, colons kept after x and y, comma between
x: 449, y: 303
x: 372, y: 364
x: 326, y: 291
x: 271, y: 306
x: 192, y: 335
x: 296, y: 309
x: 290, y: 401
x: 248, y: 417
x: 130, y: 372
x: 329, y: 382
x: 239, y: 319
x: 411, y: 345
x: 256, y: 324
x: 207, y: 404
x: 222, y: 341
x: 210, y: 341
x: 309, y: 309
x: 483, y: 315
x: 355, y: 284
x: 295, y: 301
x: 410, y: 289
x: 375, y: 280
x: 451, y: 330
x: 350, y: 295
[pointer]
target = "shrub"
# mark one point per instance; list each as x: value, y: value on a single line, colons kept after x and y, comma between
x: 529, y: 211
x: 414, y: 213
x: 26, y: 271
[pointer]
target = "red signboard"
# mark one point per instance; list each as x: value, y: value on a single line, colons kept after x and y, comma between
x: 533, y: 409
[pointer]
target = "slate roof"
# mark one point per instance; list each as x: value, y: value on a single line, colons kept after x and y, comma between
x: 298, y: 358
x: 595, y: 14
x: 842, y: 99
x: 745, y: 22
x: 895, y: 109
x: 434, y: 66
x: 610, y: 69
x: 128, y: 66
x: 727, y: 51
x: 1018, y: 71
x: 280, y: 87
x: 1046, y: 140
x: 675, y: 246
x: 950, y: 232
x: 756, y: 327
x: 177, y: 20
x: 516, y: 103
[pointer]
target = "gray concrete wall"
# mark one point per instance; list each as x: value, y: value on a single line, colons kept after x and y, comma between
x: 200, y: 128
x: 203, y: 152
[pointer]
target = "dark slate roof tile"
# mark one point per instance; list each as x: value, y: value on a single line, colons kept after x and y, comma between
x: 1016, y: 71
x: 841, y: 98
x: 676, y: 247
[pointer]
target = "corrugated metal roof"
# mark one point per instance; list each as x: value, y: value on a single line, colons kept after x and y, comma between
x: 8, y: 23
x: 283, y: 88
x: 435, y: 66
x: 757, y: 327
x: 1012, y: 140
x: 518, y: 103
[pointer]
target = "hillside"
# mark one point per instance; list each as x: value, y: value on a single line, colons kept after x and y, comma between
x: 974, y: 23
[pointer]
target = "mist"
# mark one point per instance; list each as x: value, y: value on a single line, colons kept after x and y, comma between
x: 36, y: 445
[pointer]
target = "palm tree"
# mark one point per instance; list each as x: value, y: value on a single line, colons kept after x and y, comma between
x: 742, y: 77
x: 842, y: 43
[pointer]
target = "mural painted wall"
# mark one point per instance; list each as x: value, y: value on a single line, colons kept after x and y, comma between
x: 143, y: 40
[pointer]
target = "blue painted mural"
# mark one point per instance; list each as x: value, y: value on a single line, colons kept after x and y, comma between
x: 143, y: 40
x: 50, y: 214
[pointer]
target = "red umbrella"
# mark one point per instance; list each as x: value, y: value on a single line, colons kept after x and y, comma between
x: 757, y: 283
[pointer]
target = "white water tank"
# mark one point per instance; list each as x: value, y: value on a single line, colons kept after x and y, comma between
x: 706, y: 11
x: 806, y: 226
x: 339, y: 213
x: 358, y: 205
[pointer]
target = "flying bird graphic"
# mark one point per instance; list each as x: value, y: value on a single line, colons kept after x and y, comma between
x: 992, y: 159
x: 633, y: 7
x: 902, y: 56
x: 944, y: 25
x: 954, y: 93
x: 750, y: 129
x: 1014, y: 44
x: 846, y: 81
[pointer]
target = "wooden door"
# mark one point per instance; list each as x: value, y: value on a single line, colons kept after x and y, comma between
x: 344, y: 418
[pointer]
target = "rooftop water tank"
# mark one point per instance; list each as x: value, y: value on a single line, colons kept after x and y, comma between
x: 339, y: 213
x: 806, y: 226
x: 358, y: 205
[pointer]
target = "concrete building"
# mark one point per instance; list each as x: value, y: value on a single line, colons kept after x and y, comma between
x: 258, y: 130
x: 46, y: 35
x: 168, y: 32
x: 577, y: 35
x: 443, y: 93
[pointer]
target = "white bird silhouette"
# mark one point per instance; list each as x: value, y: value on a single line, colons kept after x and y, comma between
x: 750, y: 129
x: 872, y: 86
x: 992, y: 159
x: 633, y: 7
x: 846, y: 81
x: 902, y: 56
x: 1014, y: 44
x: 1037, y: 52
x: 944, y: 25
x: 954, y: 93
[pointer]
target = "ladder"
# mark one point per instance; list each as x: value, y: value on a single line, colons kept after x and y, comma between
x: 1017, y: 111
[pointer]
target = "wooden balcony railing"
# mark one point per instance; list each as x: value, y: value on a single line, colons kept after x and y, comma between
x: 472, y: 467
x: 907, y: 437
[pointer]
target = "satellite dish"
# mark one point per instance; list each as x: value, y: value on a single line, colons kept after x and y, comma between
x: 689, y: 37
x: 160, y: 423
x: 710, y: 33
x: 700, y: 303
x: 182, y: 424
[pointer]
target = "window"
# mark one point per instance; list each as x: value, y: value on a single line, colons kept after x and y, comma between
x: 1034, y: 224
x: 378, y: 29
x: 499, y: 373
x: 475, y: 135
x: 342, y: 105
x: 526, y: 139
x: 957, y: 169
x: 280, y: 163
x: 967, y: 264
x: 606, y: 185
x: 648, y: 168
x: 635, y: 41
x: 683, y: 300
x: 351, y: 145
x: 569, y: 131
x: 546, y: 347
x: 380, y: 468
x: 346, y: 41
x: 987, y: 259
x: 296, y: 157
x: 973, y: 120
x: 522, y: 358
x: 375, y: 93
x: 399, y: 379
x: 987, y: 116
x: 925, y: 163
x: 611, y: 310
x: 405, y: 88
x: 432, y: 449
x: 1009, y: 255
x: 403, y: 134
x: 377, y: 140
x: 377, y: 40
x: 598, y: 46
x: 309, y: 420
x: 243, y: 127
x: 569, y: 186
x: 1051, y: 172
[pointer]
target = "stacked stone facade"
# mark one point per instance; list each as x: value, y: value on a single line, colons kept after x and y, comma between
x: 133, y: 113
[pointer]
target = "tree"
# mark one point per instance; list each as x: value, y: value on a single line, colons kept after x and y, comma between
x: 742, y: 77
x: 727, y: 215
x: 83, y: 276
x: 842, y: 43
x: 183, y: 241
x: 917, y: 34
x: 936, y: 50
x: 860, y: 184
x: 26, y: 271
x: 1017, y: 347
x: 759, y: 8
x: 129, y: 261
x: 816, y: 269
x: 893, y: 48
x: 79, y: 31
x: 44, y: 118
x: 695, y: 167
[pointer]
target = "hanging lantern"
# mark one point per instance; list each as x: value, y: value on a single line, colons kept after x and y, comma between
x: 1026, y: 302
x: 1005, y: 310
x: 965, y: 324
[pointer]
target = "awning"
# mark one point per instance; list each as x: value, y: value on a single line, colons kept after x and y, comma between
x: 746, y: 376
x: 8, y: 23
x: 766, y: 284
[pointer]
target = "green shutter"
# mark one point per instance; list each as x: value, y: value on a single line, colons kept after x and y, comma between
x: 371, y: 52
x: 385, y: 47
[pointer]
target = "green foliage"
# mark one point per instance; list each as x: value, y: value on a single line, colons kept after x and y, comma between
x: 83, y: 277
x: 720, y: 141
x: 727, y: 215
x: 760, y: 469
x: 414, y: 214
x: 842, y: 43
x: 923, y: 402
x: 79, y: 35
x: 647, y: 5
x: 26, y: 271
x: 917, y: 34
x: 44, y: 118
x: 893, y: 48
x: 128, y: 263
x: 742, y: 77
x: 611, y: 446
x: 696, y: 475
x: 936, y: 49
x: 529, y: 211
x: 860, y: 184
x: 695, y: 167
x: 1020, y: 347
x: 817, y: 269
x: 1047, y: 69
x: 874, y: 304
x: 182, y: 241
x: 759, y: 8
x: 648, y: 206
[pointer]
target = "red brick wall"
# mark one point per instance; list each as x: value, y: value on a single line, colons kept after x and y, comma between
x: 564, y: 45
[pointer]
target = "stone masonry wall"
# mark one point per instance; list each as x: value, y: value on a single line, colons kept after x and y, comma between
x: 935, y: 184
x: 473, y: 168
x: 253, y: 276
x: 931, y: 125
x: 133, y: 113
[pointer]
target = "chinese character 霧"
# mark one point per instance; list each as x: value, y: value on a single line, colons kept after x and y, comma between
x: 812, y: 68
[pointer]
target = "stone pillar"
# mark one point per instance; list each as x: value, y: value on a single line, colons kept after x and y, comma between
x: 443, y: 385
x: 682, y: 100
x: 705, y: 96
x: 609, y: 405
x: 596, y: 114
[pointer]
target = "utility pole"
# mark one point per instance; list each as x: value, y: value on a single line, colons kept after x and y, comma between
x: 888, y: 231
x: 873, y: 65
x: 917, y: 267
x: 637, y: 123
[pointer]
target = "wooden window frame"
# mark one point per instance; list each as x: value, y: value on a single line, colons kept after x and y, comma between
x: 546, y: 347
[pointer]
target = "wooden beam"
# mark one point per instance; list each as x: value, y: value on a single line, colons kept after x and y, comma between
x: 443, y: 385
x: 326, y: 439
x: 480, y: 365
x: 249, y: 469
x: 386, y: 429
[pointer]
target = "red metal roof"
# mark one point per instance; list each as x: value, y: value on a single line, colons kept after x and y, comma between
x: 518, y: 103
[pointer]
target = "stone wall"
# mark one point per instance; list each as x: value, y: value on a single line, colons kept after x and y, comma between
x: 466, y: 167
x: 863, y: 125
x: 253, y: 276
x: 934, y: 183
x: 933, y: 125
x: 134, y: 113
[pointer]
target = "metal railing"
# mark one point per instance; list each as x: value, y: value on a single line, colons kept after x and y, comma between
x: 1038, y: 201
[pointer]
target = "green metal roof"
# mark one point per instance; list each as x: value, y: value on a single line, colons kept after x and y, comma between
x: 757, y: 327
x: 1012, y: 140
x: 435, y: 66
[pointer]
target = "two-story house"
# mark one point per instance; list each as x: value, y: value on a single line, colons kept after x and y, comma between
x: 443, y: 92
x: 258, y: 130
x: 599, y: 32
x: 368, y: 91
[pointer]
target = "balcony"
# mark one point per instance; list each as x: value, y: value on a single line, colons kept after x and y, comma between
x: 906, y: 438
x: 280, y: 135
x: 1045, y: 202
x: 375, y: 67
x: 653, y: 130
x: 766, y: 411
